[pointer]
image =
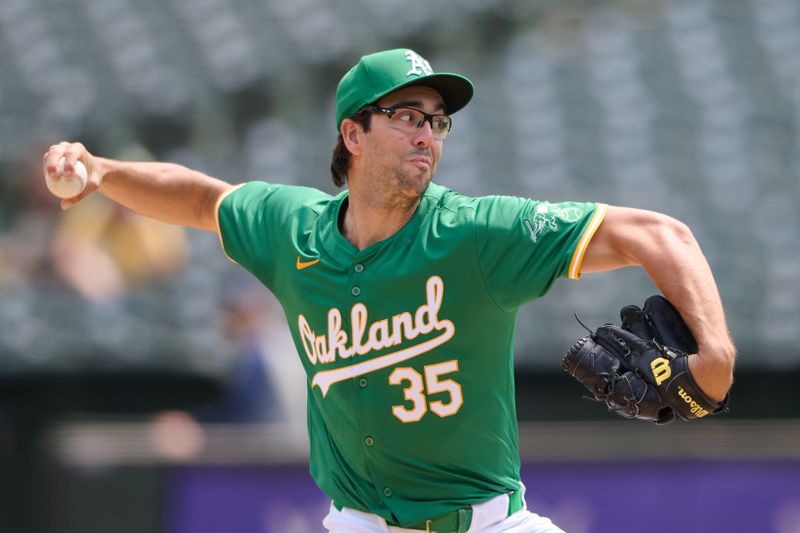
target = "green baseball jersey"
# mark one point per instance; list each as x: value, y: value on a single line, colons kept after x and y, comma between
x: 407, y: 344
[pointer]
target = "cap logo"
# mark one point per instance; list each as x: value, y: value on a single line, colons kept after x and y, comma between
x: 419, y: 66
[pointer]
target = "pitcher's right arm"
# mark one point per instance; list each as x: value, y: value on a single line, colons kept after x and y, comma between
x: 164, y: 191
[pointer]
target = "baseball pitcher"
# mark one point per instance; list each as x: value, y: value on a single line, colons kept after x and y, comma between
x: 401, y: 297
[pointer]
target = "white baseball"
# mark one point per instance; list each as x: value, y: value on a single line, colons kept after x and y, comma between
x: 68, y: 186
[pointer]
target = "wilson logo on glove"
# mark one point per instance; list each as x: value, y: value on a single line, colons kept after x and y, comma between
x: 661, y: 370
x: 695, y: 408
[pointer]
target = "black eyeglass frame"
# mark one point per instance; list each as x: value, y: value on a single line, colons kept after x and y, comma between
x: 426, y: 117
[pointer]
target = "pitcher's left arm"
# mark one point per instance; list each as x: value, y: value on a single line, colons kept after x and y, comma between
x: 667, y: 250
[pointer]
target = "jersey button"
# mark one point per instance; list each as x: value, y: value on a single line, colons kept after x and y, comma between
x: 359, y: 268
x: 387, y: 492
x: 363, y: 383
x: 369, y: 441
x: 355, y: 291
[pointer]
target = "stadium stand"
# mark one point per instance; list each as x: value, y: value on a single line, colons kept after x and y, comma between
x: 689, y: 108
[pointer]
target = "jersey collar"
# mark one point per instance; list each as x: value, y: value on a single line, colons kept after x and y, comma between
x: 340, y: 246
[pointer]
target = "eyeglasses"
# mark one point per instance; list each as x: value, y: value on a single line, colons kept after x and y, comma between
x: 410, y: 120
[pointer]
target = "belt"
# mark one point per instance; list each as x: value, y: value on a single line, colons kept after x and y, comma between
x: 458, y: 521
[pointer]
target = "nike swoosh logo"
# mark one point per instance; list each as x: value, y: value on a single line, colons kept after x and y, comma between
x: 305, y: 264
x: 326, y: 378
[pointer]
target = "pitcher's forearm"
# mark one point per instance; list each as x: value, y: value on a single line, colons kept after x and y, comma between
x: 686, y: 280
x: 165, y: 191
x: 671, y: 256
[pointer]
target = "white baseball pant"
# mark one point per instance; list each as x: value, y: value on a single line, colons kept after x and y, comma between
x: 487, y: 517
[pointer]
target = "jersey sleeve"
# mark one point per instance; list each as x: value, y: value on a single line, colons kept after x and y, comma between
x: 524, y: 245
x: 250, y: 221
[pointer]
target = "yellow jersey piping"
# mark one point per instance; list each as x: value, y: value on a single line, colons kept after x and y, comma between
x: 583, y: 244
x: 216, y: 218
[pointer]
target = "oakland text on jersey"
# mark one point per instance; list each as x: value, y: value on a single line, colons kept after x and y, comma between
x: 385, y: 333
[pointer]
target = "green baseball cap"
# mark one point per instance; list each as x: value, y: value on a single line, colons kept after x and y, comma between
x: 381, y: 73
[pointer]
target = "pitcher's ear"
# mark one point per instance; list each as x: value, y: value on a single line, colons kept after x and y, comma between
x: 352, y: 134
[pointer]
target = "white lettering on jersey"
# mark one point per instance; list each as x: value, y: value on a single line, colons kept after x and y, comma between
x: 546, y: 216
x: 419, y: 66
x: 379, y: 335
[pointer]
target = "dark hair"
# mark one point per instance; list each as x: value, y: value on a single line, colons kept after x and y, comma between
x: 340, y: 162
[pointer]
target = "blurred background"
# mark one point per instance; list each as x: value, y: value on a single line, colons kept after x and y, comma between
x: 147, y: 384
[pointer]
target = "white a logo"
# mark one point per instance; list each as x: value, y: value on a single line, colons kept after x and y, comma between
x: 418, y: 65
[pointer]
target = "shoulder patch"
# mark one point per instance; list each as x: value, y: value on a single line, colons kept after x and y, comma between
x: 546, y: 216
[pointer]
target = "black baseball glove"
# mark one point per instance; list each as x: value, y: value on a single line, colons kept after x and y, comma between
x: 640, y: 370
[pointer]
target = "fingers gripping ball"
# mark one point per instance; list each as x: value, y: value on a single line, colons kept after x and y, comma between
x: 67, y: 186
